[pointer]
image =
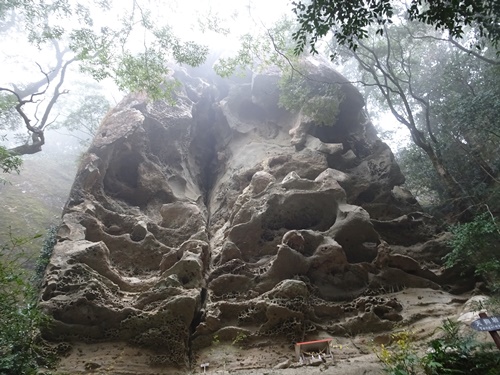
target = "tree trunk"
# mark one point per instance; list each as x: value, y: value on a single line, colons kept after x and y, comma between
x: 30, y: 148
x: 473, y: 149
x: 453, y: 189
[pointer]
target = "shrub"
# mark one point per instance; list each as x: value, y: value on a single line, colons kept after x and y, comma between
x: 402, y: 359
x: 21, y: 349
x: 45, y: 254
x: 453, y: 353
x: 456, y: 353
x: 476, y: 244
x: 320, y: 101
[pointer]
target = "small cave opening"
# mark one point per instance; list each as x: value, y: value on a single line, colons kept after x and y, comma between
x: 127, y: 170
x: 122, y: 172
x: 327, y: 134
x: 366, y: 196
x: 358, y: 252
x: 162, y: 141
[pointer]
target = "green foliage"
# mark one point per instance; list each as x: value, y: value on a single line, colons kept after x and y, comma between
x: 402, y: 359
x: 456, y: 353
x: 7, y: 101
x: 273, y: 48
x: 33, y: 200
x: 465, y: 107
x: 240, y: 338
x: 215, y: 340
x: 349, y: 21
x: 213, y: 22
x: 259, y: 51
x: 110, y: 51
x: 144, y: 72
x: 21, y: 351
x: 320, y: 101
x: 420, y: 176
x: 134, y: 52
x: 42, y: 262
x: 9, y: 163
x: 245, y: 57
x: 9, y: 117
x: 454, y: 16
x: 476, y: 244
x: 85, y: 120
x: 453, y: 353
x: 452, y: 118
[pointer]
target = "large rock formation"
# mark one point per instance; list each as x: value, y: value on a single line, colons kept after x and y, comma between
x: 227, y: 217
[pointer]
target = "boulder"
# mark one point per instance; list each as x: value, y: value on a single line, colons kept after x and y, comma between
x: 225, y: 215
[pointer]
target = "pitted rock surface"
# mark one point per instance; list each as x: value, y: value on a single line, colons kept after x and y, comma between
x: 226, y: 217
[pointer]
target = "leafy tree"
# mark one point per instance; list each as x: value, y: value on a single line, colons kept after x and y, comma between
x: 476, y: 245
x: 272, y: 48
x: 8, y: 162
x: 392, y: 64
x: 463, y: 117
x: 350, y: 21
x: 134, y: 53
x: 420, y: 176
x: 29, y: 95
x: 260, y: 50
x: 448, y: 116
x: 21, y: 350
x: 396, y: 66
x: 84, y: 121
x: 464, y: 107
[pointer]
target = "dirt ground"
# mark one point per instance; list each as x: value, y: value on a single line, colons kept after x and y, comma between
x: 423, y: 312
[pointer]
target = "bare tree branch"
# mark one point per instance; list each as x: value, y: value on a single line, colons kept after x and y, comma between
x: 456, y: 44
x: 37, y: 131
x: 55, y: 96
x: 35, y: 87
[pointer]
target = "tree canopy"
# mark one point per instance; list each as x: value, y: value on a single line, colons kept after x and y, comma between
x: 349, y: 21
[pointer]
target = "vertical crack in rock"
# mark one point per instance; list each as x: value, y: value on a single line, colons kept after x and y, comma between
x: 208, y: 138
x: 204, y: 145
x: 198, y: 318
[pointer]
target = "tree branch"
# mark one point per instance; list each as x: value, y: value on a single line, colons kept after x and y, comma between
x: 37, y: 131
x: 55, y: 96
x: 34, y: 87
x: 473, y: 53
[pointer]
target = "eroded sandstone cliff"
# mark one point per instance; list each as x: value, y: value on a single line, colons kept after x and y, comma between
x: 226, y: 217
